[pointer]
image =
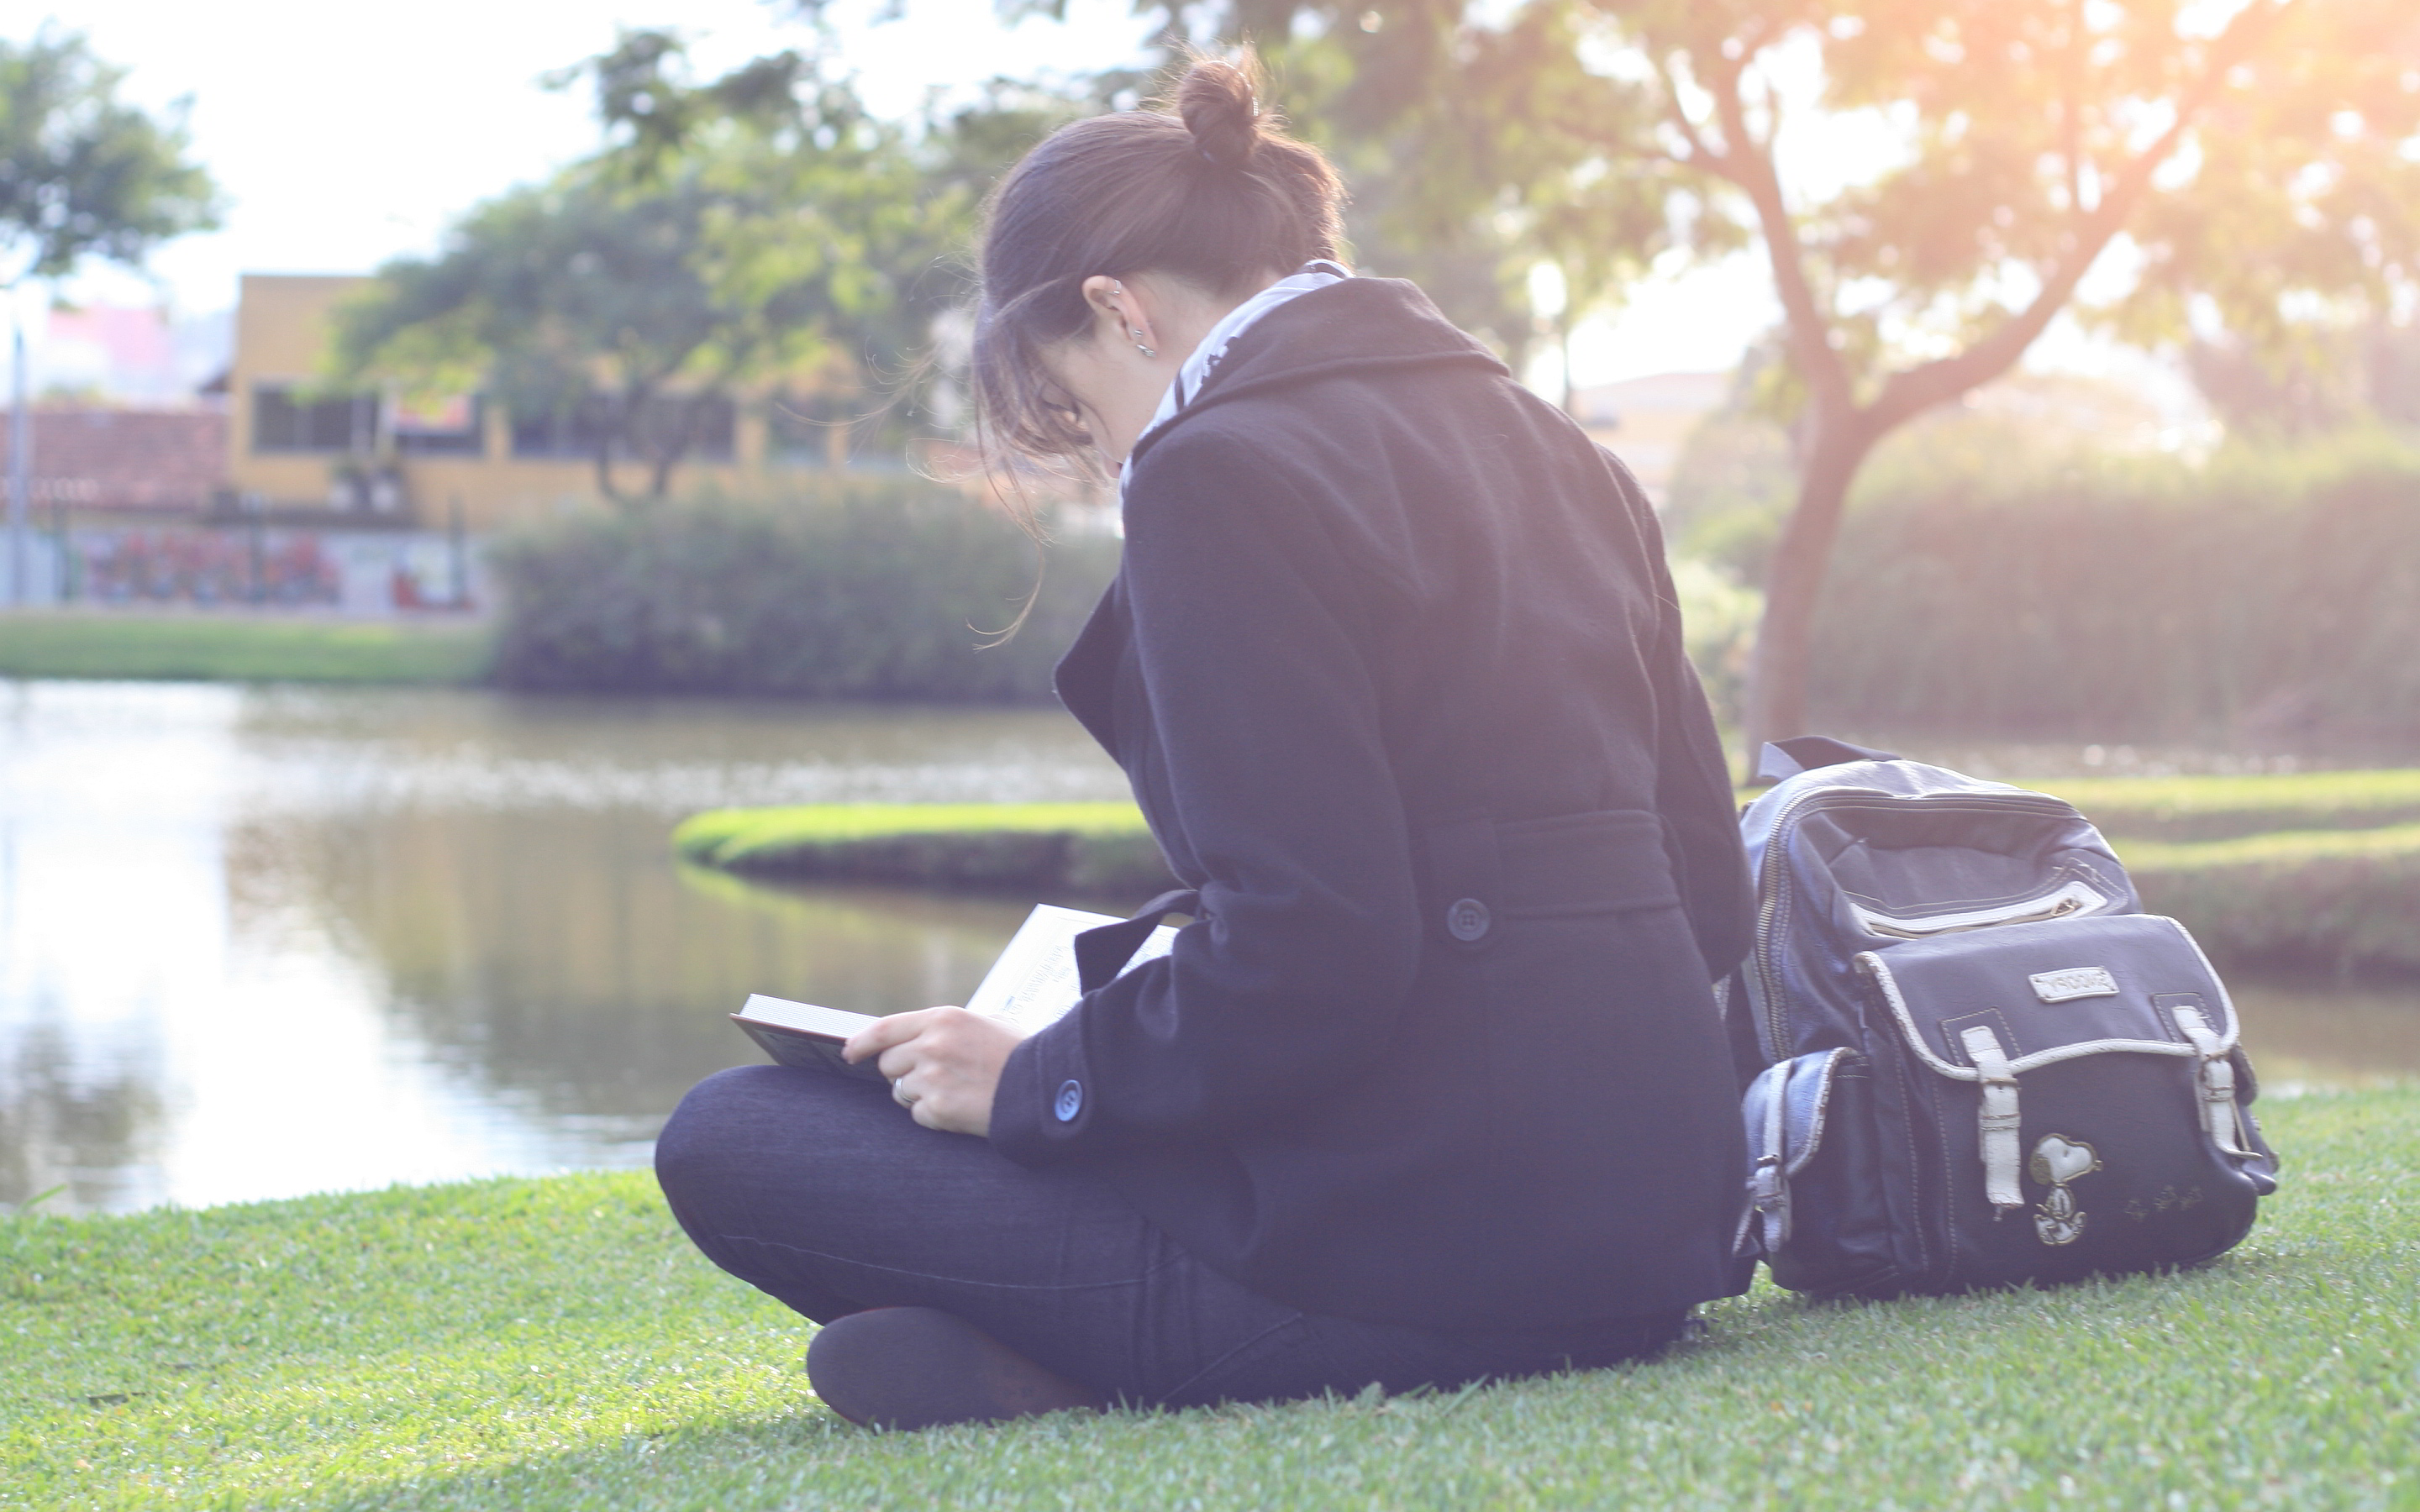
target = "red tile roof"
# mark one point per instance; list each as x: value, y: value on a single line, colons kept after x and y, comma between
x: 123, y: 459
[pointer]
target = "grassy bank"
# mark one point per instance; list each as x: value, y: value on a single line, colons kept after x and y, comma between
x: 2308, y: 870
x: 237, y: 649
x: 1077, y: 847
x: 2228, y: 808
x: 2346, y: 901
x: 555, y: 1344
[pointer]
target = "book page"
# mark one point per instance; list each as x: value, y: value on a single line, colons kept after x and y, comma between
x: 1034, y: 983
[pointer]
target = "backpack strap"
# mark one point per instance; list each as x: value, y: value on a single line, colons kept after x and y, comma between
x: 1781, y: 760
x: 1768, y: 1182
x: 1999, y: 1122
x: 2219, y: 1113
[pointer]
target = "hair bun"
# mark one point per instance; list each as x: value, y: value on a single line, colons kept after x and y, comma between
x: 1217, y: 106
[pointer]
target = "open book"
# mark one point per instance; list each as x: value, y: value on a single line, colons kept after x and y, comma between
x: 1031, y: 985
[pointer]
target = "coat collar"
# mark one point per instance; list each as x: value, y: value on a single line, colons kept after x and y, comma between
x: 1354, y: 325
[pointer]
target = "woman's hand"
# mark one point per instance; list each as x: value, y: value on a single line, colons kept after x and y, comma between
x: 944, y: 1064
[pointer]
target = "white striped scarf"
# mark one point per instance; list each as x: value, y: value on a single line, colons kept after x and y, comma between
x: 1196, y: 369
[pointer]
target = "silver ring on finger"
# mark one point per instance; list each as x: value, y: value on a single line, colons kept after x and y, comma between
x: 900, y: 1095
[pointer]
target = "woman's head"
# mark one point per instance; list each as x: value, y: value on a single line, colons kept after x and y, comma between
x: 1207, y: 200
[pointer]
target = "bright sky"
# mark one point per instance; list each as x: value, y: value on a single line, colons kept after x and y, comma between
x: 345, y: 134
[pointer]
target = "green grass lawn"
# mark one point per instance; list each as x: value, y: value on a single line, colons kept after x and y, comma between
x: 238, y: 648
x: 554, y: 1344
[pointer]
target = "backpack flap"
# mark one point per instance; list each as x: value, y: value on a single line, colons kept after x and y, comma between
x: 1990, y: 1006
x: 2039, y: 1006
x: 1784, y: 1109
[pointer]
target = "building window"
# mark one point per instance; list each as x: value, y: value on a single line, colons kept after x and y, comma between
x: 573, y: 431
x: 576, y: 431
x: 451, y: 426
x: 283, y: 420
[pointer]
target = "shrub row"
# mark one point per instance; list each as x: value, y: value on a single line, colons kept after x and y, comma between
x: 2267, y: 596
x: 849, y: 587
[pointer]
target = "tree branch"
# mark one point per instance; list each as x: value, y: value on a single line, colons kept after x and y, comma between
x: 1751, y: 168
x: 1909, y: 392
x: 1699, y: 154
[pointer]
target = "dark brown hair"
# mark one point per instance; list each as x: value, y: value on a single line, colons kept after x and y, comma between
x: 1211, y: 192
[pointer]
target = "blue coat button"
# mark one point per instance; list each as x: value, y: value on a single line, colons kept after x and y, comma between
x: 1069, y: 1102
x: 1467, y: 919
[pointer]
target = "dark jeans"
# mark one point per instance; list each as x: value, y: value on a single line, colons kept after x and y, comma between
x: 820, y: 1191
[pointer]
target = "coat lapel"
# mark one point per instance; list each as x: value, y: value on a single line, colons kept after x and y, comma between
x: 1087, y: 675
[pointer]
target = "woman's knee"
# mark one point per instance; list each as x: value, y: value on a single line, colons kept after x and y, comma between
x: 722, y: 1122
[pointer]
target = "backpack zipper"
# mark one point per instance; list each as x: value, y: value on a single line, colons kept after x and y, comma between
x: 1772, y: 1029
x: 2071, y: 898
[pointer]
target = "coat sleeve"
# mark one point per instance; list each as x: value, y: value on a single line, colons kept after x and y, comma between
x: 1267, y: 717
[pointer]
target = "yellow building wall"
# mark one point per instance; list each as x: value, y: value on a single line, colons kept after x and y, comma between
x: 284, y: 322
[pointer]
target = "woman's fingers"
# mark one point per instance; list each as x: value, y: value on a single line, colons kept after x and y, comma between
x: 944, y: 1064
x: 882, y: 1034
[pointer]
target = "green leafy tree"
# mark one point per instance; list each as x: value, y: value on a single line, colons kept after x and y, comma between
x: 1931, y: 182
x: 1472, y: 146
x: 733, y: 236
x: 83, y: 174
x: 2025, y: 139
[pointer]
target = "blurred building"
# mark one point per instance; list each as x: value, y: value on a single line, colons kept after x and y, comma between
x: 91, y: 461
x: 294, y: 450
x: 1646, y: 421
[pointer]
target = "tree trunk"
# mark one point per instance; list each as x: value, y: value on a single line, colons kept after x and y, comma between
x: 1793, y: 584
x: 603, y: 458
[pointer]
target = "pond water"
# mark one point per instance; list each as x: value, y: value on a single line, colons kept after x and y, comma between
x: 256, y: 942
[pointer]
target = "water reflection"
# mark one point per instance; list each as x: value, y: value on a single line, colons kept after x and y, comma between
x: 261, y: 942
x: 2330, y: 1032
x: 267, y: 941
x: 74, y: 1118
x: 558, y: 961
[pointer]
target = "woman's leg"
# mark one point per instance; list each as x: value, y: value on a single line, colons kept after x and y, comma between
x: 821, y: 1192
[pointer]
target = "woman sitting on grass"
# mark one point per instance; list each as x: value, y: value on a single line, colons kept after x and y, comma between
x: 1433, y: 1089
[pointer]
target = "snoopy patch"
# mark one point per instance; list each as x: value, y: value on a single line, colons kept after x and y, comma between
x: 2058, y: 1161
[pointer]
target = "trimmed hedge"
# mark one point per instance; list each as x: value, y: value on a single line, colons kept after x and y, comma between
x: 852, y: 586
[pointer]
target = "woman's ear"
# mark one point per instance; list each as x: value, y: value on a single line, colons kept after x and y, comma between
x: 1120, y: 316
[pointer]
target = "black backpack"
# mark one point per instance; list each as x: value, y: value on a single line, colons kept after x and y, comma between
x: 1977, y: 1061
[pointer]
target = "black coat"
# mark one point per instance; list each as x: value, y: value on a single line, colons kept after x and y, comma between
x: 1393, y: 636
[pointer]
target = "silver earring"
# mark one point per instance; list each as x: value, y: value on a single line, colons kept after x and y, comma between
x: 1139, y: 346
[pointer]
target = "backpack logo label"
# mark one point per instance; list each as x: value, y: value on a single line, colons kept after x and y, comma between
x: 2074, y: 982
x: 2058, y: 1161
